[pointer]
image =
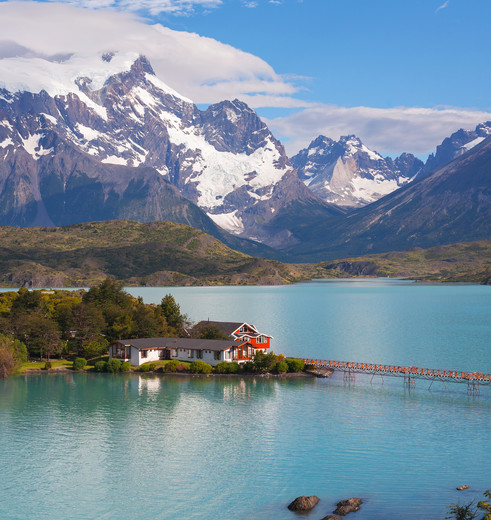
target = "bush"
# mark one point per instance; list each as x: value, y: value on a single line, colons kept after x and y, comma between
x: 181, y: 368
x: 144, y: 368
x: 48, y: 365
x: 171, y: 366
x: 125, y: 366
x: 222, y: 368
x: 295, y: 365
x: 281, y: 367
x: 200, y: 367
x: 233, y: 367
x: 80, y: 363
x: 248, y: 366
x: 100, y: 366
x: 264, y: 362
x: 114, y: 366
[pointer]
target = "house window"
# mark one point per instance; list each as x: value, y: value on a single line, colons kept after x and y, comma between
x: 199, y: 354
x: 262, y: 339
x: 190, y: 353
x: 216, y: 355
x: 174, y: 352
x: 144, y: 353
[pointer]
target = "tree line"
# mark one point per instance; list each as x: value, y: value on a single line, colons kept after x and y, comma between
x: 44, y: 324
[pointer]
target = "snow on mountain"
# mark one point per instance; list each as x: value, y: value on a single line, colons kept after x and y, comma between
x: 349, y: 174
x: 456, y: 145
x: 115, y: 110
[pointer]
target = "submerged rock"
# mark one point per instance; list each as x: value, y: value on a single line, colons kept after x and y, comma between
x: 303, y: 503
x: 332, y: 517
x: 348, y: 506
x: 461, y: 488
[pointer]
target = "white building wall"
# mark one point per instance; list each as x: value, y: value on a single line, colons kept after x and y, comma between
x: 208, y: 356
x: 152, y: 355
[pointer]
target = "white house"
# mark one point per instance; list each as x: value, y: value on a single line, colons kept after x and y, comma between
x: 211, y: 351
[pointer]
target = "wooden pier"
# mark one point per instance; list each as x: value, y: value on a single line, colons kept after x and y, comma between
x: 410, y: 374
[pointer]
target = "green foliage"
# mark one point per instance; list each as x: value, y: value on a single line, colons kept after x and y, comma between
x: 12, y: 353
x: 171, y: 366
x: 145, y: 368
x: 469, y: 511
x: 225, y: 367
x: 281, y: 367
x: 295, y: 365
x: 212, y: 332
x: 125, y: 366
x: 264, y: 362
x: 114, y: 366
x: 485, y: 505
x: 100, y: 366
x: 171, y: 311
x: 95, y: 348
x: 79, y: 363
x: 48, y: 365
x: 200, y: 367
x: 462, y: 512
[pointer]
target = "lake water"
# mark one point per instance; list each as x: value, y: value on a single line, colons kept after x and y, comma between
x: 86, y: 446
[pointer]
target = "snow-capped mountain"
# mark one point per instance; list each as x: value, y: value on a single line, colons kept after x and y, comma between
x: 456, y: 145
x: 349, y: 174
x: 112, y: 111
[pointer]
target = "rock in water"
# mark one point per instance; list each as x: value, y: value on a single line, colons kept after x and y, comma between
x: 332, y: 517
x: 461, y: 488
x: 303, y: 503
x: 348, y: 506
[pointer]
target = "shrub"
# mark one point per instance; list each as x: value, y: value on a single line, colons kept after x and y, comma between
x: 264, y: 362
x: 114, y: 366
x: 281, y: 367
x: 48, y: 365
x: 171, y: 366
x: 80, y: 363
x: 181, y: 368
x: 100, y: 366
x: 125, y: 366
x: 248, y: 366
x: 144, y: 368
x: 295, y: 365
x: 233, y: 367
x: 152, y: 366
x: 200, y: 367
x: 222, y: 367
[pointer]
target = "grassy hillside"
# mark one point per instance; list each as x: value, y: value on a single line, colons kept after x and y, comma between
x: 157, y: 253
x: 462, y: 262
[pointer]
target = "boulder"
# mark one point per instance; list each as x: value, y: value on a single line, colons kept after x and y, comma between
x: 332, y: 517
x: 461, y: 488
x: 348, y: 506
x: 303, y: 503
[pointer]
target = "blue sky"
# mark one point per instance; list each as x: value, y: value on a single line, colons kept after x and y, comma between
x: 402, y: 75
x: 359, y: 52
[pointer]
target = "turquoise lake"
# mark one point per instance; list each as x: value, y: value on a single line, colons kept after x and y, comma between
x: 87, y: 446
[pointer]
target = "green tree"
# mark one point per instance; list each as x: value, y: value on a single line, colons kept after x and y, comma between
x: 212, y: 332
x: 485, y: 505
x: 12, y: 353
x: 172, y: 313
x: 95, y: 348
x: 108, y: 292
x: 264, y: 362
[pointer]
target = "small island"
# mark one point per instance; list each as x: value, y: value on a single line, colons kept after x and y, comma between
x: 105, y: 329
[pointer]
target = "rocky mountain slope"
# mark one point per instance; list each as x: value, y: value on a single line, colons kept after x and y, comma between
x: 349, y: 174
x: 456, y: 145
x: 453, y: 204
x: 97, y: 137
x: 156, y: 253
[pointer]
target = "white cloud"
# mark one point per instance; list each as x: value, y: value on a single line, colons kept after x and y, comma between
x: 387, y: 130
x: 250, y: 4
x: 202, y: 69
x: 445, y: 4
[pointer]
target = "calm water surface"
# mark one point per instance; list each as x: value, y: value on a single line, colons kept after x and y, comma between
x: 85, y: 446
